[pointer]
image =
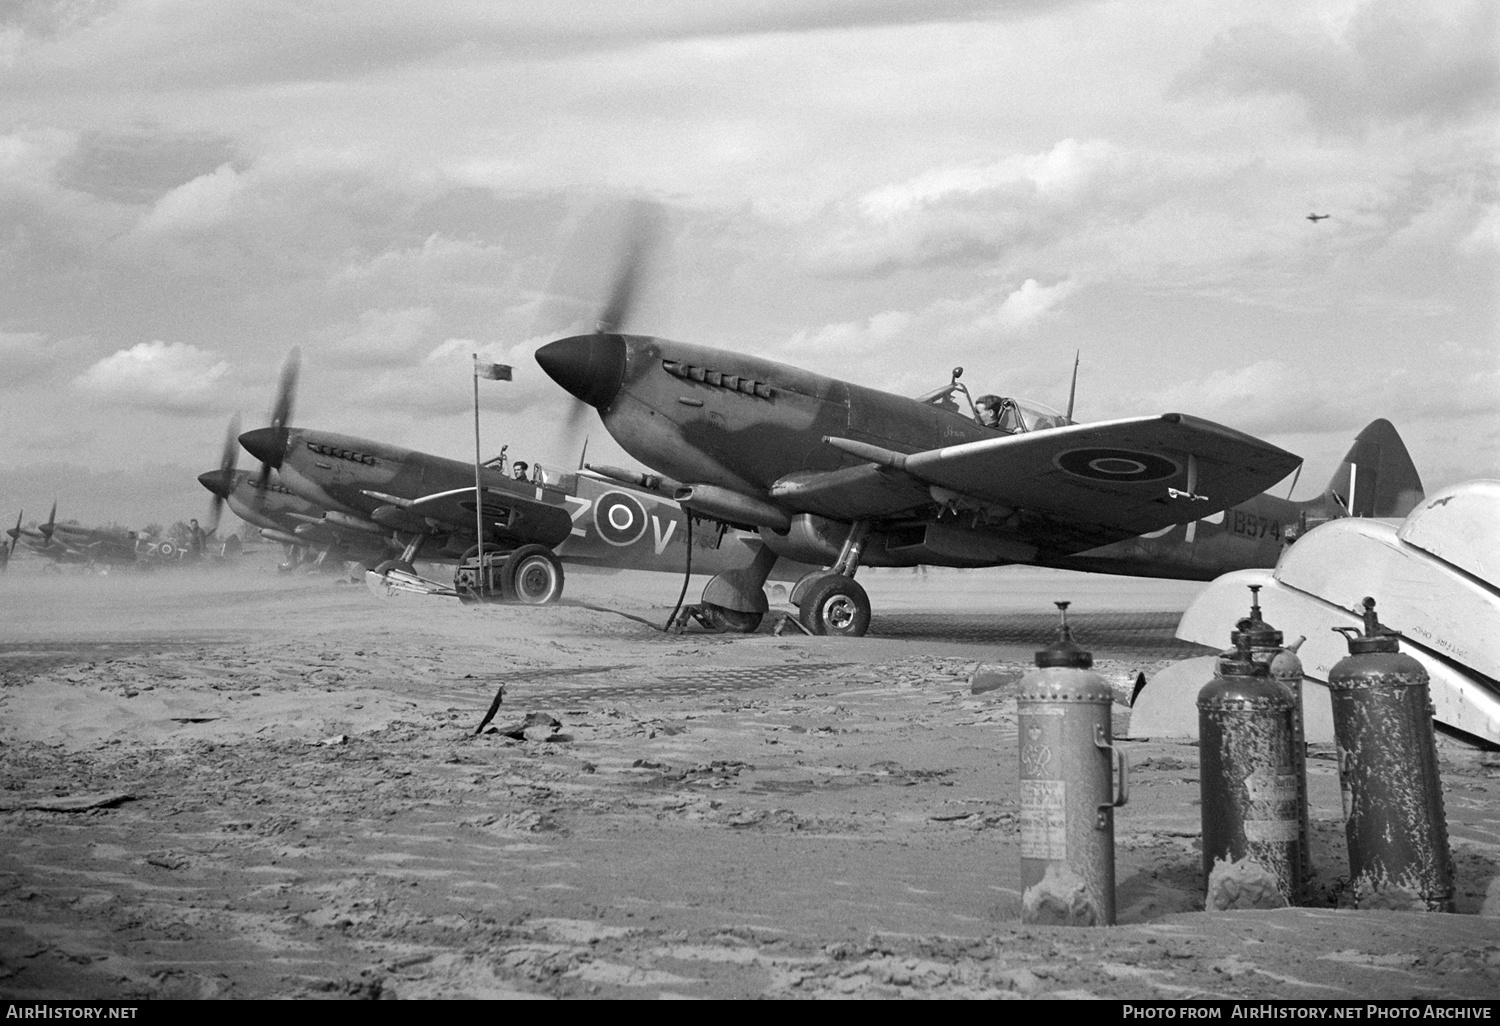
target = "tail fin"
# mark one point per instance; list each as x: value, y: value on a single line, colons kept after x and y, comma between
x: 1377, y: 477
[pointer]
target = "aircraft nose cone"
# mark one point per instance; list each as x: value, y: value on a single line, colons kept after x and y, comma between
x: 218, y: 482
x: 592, y: 367
x: 266, y: 444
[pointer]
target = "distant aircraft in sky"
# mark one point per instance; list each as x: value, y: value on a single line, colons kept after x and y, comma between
x: 1315, y: 218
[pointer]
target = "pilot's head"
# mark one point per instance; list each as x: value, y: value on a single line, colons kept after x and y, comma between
x: 987, y: 401
x: 518, y: 469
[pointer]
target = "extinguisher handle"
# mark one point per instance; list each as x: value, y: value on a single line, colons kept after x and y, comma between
x: 1122, y: 777
x: 1122, y: 768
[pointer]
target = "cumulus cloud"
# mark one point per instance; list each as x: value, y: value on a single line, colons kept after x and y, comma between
x: 438, y: 264
x: 389, y: 336
x: 850, y: 338
x: 200, y: 204
x: 1484, y: 239
x: 440, y: 383
x: 32, y: 156
x: 141, y: 165
x: 1059, y: 175
x: 910, y: 351
x: 171, y: 377
x: 973, y: 214
x: 1394, y: 60
x: 1278, y: 398
x: 1027, y: 305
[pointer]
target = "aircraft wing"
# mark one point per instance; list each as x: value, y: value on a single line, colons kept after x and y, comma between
x: 532, y: 518
x: 1124, y: 477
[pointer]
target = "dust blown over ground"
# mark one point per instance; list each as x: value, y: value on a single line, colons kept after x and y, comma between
x: 241, y: 784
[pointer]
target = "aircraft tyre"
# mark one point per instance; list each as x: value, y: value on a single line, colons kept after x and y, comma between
x: 731, y: 621
x: 835, y: 605
x: 532, y: 576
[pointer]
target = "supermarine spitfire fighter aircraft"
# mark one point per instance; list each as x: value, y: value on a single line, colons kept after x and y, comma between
x: 90, y: 546
x: 841, y: 475
x: 283, y: 516
x: 425, y: 505
x: 383, y: 491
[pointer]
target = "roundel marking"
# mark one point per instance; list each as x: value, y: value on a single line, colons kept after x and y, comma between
x: 1129, y: 466
x: 619, y: 519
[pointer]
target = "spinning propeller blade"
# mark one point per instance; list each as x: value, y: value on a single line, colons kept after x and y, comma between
x: 584, y: 364
x: 228, y: 460
x: 641, y: 235
x: 15, y: 537
x: 269, y: 443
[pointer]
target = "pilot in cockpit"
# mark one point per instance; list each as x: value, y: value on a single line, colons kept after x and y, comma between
x: 988, y: 407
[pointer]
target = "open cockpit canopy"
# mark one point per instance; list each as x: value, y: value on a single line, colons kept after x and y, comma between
x: 997, y: 412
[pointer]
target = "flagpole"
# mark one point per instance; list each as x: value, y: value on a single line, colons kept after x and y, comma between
x: 478, y: 489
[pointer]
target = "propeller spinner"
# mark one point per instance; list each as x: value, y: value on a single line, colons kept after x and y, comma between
x: 592, y: 367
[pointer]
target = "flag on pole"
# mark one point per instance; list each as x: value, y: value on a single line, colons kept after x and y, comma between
x: 492, y: 371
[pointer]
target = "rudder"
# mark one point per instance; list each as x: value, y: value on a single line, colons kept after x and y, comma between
x: 1377, y: 477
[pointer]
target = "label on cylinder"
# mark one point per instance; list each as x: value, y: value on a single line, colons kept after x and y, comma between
x: 1271, y: 787
x: 1272, y: 830
x: 1044, y: 822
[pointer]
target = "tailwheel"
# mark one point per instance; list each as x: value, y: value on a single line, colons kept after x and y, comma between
x: 729, y: 621
x: 532, y: 576
x: 835, y: 605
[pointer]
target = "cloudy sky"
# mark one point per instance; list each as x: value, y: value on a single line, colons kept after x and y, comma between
x: 876, y: 189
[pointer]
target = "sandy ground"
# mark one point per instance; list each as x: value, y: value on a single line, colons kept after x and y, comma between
x: 234, y: 783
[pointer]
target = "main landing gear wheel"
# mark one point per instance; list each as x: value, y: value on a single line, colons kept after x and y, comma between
x: 532, y: 576
x: 835, y: 605
x: 730, y: 621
